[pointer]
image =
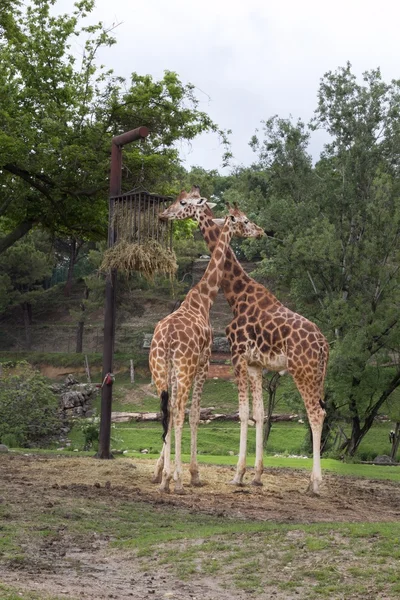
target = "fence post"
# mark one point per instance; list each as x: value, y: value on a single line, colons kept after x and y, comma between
x: 132, y: 372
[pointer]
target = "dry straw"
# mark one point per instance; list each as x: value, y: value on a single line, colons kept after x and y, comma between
x: 147, y: 259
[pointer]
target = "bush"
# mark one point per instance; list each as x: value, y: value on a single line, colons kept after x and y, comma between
x: 28, y: 408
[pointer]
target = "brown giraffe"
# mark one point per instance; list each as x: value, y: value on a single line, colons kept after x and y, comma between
x: 180, y: 353
x: 263, y: 334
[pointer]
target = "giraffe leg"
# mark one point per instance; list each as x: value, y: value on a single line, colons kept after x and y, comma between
x: 179, y: 417
x: 166, y: 473
x: 316, y: 422
x: 157, y: 475
x: 255, y: 379
x: 158, y: 369
x: 311, y: 394
x: 165, y: 458
x: 194, y: 419
x: 242, y: 383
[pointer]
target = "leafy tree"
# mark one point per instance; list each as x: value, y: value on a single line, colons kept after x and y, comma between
x: 24, y: 268
x: 28, y: 408
x: 57, y: 119
x: 338, y: 224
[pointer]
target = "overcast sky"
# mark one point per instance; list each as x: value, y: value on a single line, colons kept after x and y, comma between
x: 250, y: 59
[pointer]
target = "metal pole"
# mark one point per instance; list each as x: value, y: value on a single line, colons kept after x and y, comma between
x: 110, y: 294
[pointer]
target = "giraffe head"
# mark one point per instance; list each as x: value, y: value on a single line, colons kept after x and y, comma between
x: 191, y: 205
x: 188, y: 205
x: 242, y: 226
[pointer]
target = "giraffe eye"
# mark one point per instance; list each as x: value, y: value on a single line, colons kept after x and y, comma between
x: 246, y: 221
x: 183, y: 203
x: 232, y: 218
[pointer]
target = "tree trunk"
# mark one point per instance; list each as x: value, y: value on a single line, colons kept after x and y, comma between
x: 271, y: 389
x: 395, y: 443
x: 71, y: 264
x: 79, y: 337
x: 81, y: 323
x: 358, y: 433
x: 18, y: 233
x: 27, y: 314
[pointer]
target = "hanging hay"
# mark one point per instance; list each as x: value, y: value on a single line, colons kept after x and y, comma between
x: 147, y: 259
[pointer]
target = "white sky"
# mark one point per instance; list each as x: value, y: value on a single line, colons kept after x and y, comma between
x: 249, y: 59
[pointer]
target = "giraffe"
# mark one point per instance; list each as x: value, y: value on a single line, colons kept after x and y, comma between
x: 180, y: 352
x: 263, y: 334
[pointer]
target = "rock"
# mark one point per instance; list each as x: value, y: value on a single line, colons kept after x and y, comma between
x: 70, y: 380
x: 3, y: 448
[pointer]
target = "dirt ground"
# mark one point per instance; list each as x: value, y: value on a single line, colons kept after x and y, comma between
x: 87, y: 570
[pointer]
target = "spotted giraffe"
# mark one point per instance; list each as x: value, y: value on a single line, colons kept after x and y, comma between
x: 180, y: 352
x: 263, y: 334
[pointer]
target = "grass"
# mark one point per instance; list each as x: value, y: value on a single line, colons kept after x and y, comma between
x: 12, y: 593
x: 316, y: 561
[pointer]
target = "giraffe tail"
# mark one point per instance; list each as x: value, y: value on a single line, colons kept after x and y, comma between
x: 164, y: 413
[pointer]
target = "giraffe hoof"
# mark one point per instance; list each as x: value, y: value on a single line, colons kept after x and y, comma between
x: 164, y: 489
x: 236, y: 483
x: 312, y: 491
x: 156, y: 479
x: 197, y: 483
x: 257, y: 483
x: 180, y: 491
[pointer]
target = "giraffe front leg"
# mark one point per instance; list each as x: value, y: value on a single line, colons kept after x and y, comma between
x: 255, y: 378
x: 242, y: 382
x: 194, y: 419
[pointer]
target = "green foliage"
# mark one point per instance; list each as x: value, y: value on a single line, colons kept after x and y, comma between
x: 58, y: 117
x: 90, y: 430
x: 24, y: 267
x: 28, y: 409
x: 337, y: 246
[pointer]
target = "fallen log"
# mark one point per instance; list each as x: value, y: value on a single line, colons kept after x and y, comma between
x: 206, y: 414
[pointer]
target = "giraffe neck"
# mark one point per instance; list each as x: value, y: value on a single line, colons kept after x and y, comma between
x: 207, y: 289
x: 235, y: 279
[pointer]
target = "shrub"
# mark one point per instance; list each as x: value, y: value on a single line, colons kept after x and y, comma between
x: 28, y: 408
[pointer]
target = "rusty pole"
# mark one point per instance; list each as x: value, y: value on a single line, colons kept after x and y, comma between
x: 110, y: 295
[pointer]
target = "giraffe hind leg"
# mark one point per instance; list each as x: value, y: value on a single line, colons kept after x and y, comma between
x: 194, y: 418
x: 165, y: 417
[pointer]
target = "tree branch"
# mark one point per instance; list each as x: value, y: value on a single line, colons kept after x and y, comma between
x: 19, y: 232
x: 29, y: 178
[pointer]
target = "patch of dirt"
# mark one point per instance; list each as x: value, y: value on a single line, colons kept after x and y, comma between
x: 138, y: 394
x: 89, y: 569
x: 220, y: 371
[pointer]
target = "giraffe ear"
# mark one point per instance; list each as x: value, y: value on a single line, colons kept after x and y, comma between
x: 195, y: 191
x: 219, y: 222
x: 183, y: 194
x: 211, y: 204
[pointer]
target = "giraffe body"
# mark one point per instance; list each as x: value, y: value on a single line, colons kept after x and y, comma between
x: 179, y: 357
x: 264, y: 334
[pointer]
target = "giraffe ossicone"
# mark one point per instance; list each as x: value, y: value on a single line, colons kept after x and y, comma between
x: 262, y: 334
x: 180, y: 353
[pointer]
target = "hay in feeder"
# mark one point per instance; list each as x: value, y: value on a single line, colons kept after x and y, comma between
x: 147, y: 259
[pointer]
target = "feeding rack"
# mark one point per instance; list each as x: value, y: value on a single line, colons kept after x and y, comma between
x: 138, y: 240
x: 133, y: 220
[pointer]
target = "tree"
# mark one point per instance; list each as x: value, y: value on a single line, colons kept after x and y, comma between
x: 25, y: 266
x: 339, y: 229
x: 58, y: 118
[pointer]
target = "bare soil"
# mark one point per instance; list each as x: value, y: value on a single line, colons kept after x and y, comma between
x: 87, y: 568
